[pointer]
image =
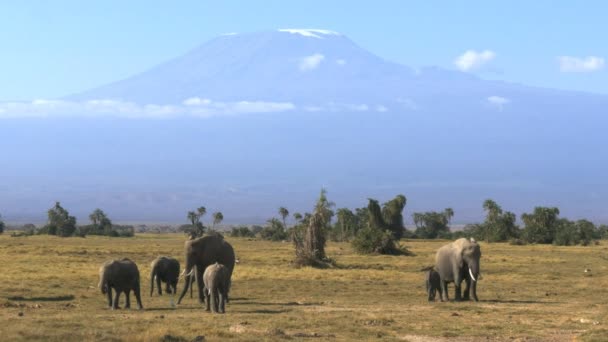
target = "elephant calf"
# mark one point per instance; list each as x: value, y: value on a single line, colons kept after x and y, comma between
x: 122, y: 276
x: 433, y: 284
x: 217, y: 284
x: 166, y: 270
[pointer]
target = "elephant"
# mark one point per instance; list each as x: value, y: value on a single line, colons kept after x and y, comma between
x: 217, y: 285
x: 165, y: 269
x: 433, y: 284
x: 458, y: 261
x: 122, y: 276
x: 202, y: 252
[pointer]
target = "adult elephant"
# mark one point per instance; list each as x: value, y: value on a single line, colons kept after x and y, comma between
x: 166, y: 270
x: 201, y: 253
x: 122, y: 276
x: 458, y: 261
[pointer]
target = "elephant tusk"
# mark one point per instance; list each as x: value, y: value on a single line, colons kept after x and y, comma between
x: 472, y: 276
x: 190, y: 273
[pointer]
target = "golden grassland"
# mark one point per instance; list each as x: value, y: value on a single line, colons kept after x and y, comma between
x: 48, y: 292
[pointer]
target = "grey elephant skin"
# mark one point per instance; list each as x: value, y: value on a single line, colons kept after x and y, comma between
x: 121, y: 276
x: 217, y: 285
x: 202, y: 252
x: 433, y: 284
x: 458, y: 261
x: 164, y: 269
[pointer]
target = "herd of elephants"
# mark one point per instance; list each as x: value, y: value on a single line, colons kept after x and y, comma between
x: 212, y: 259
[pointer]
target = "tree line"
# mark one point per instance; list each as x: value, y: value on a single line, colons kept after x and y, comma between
x: 61, y: 223
x: 377, y: 228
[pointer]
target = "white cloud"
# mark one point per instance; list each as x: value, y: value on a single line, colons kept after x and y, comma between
x: 311, y: 62
x: 498, y: 101
x: 196, y: 101
x: 473, y: 60
x: 340, y: 107
x: 408, y: 103
x: 192, y: 107
x: 340, y: 62
x: 576, y: 64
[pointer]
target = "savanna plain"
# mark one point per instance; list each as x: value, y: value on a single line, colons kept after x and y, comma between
x: 49, y: 292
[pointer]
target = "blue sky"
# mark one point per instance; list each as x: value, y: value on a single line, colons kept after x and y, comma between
x: 50, y: 49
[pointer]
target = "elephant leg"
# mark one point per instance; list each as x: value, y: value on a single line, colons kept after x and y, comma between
x: 191, y: 296
x: 128, y: 299
x: 457, y: 291
x: 158, y: 285
x: 109, y: 293
x: 200, y: 286
x: 429, y: 291
x: 221, y: 304
x: 213, y: 299
x: 138, y: 297
x: 168, y: 287
x: 444, y: 289
x: 207, y: 300
x: 116, y: 298
x: 465, y: 295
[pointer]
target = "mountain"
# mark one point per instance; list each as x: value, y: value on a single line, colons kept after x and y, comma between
x: 302, y: 66
x: 297, y: 110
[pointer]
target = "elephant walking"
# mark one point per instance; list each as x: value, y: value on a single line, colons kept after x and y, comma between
x: 166, y: 270
x: 433, y: 284
x: 217, y: 286
x: 122, y: 276
x: 202, y: 252
x: 458, y: 261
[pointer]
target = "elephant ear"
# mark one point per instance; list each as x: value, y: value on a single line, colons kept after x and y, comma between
x: 459, y: 251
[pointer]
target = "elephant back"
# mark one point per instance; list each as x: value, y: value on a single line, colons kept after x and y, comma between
x: 210, y: 249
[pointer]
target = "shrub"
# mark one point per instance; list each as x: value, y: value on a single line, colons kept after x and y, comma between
x: 274, y: 231
x: 375, y: 241
x: 242, y: 231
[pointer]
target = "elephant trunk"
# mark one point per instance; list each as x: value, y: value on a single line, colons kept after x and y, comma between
x: 187, y: 273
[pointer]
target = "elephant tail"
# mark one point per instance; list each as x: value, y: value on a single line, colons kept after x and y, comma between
x: 427, y: 268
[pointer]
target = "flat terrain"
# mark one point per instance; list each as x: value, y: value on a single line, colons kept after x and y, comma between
x: 48, y: 292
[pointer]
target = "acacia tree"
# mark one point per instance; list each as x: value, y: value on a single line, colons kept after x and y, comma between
x: 375, y: 237
x: 101, y: 222
x: 346, y: 225
x: 540, y: 225
x: 297, y: 217
x: 498, y: 225
x: 196, y: 229
x: 218, y: 217
x: 60, y: 222
x: 284, y: 214
x: 433, y: 224
x: 392, y: 213
x: 310, y: 248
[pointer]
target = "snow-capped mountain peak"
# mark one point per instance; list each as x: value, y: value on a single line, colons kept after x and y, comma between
x: 313, y: 33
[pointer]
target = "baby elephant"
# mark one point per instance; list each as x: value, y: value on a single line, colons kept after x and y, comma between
x: 164, y: 269
x: 122, y: 276
x: 433, y: 284
x: 217, y: 284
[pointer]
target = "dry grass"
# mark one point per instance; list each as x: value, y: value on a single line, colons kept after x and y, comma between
x: 527, y: 293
